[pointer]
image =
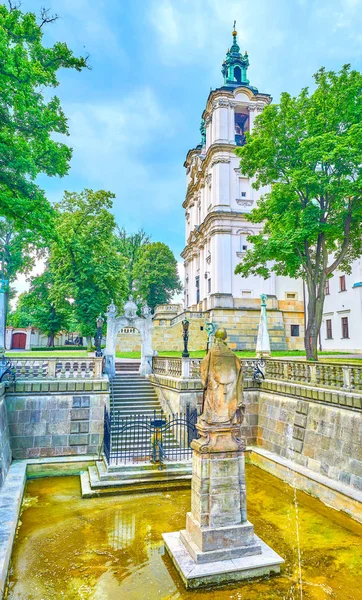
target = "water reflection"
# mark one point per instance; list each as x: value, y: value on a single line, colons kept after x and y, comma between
x: 111, y: 547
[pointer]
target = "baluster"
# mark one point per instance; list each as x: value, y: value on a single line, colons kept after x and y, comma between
x: 71, y: 370
x: 87, y: 369
x: 62, y: 370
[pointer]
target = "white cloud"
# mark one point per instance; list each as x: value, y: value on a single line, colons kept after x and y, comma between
x: 116, y: 146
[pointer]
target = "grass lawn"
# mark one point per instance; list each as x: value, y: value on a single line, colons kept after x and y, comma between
x: 50, y: 354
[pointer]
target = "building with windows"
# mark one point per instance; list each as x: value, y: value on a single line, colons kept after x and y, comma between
x: 217, y: 201
x: 342, y: 314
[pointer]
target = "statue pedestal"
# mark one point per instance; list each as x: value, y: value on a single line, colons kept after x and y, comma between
x: 219, y: 544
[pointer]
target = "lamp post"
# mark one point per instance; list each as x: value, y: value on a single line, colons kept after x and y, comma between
x: 98, y: 336
x: 185, y: 327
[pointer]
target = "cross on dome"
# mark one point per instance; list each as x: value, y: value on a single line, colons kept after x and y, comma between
x: 235, y: 66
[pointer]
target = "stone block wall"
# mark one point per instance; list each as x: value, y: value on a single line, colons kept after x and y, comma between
x: 249, y: 428
x: 176, y: 394
x: 60, y: 423
x: 5, y: 452
x: 241, y: 324
x: 324, y: 438
x: 165, y: 337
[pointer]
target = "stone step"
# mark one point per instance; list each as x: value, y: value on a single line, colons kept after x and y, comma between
x: 137, y: 472
x: 133, y: 389
x: 134, y: 384
x: 142, y: 444
x: 137, y: 402
x: 133, y: 486
x: 136, y: 393
x: 184, y: 463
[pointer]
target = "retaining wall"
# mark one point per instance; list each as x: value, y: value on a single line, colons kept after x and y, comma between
x: 66, y: 420
x: 323, y: 437
x: 5, y: 452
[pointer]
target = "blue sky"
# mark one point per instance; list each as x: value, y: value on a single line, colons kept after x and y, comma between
x: 133, y: 117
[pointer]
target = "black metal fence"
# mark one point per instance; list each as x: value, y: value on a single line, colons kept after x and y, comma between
x: 141, y: 438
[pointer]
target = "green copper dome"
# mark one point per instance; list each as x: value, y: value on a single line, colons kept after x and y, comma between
x: 235, y: 66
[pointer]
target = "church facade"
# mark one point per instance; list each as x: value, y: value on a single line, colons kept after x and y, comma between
x: 218, y: 199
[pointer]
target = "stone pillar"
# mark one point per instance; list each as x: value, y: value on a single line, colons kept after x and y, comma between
x: 219, y: 544
x: 263, y: 342
x: 217, y: 527
x: 28, y: 339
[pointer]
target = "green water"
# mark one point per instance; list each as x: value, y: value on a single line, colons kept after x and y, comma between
x: 111, y: 548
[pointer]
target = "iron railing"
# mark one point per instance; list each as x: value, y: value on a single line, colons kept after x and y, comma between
x: 152, y: 438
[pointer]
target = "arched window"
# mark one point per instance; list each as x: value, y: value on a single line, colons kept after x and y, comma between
x: 237, y: 74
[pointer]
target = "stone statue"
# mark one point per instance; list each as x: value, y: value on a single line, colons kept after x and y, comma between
x: 221, y: 378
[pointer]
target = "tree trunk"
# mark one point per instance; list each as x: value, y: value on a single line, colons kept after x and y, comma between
x: 51, y: 338
x: 314, y: 316
x: 89, y: 343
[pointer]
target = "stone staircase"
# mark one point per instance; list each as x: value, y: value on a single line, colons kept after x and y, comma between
x: 131, y: 395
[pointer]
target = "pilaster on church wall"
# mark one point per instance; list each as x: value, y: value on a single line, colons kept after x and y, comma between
x: 222, y: 259
x: 212, y: 266
x: 220, y: 118
x: 202, y: 273
x: 208, y: 132
x: 202, y: 202
x: 231, y: 123
x: 221, y: 174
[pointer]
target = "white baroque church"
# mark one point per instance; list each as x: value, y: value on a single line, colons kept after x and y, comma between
x: 218, y: 198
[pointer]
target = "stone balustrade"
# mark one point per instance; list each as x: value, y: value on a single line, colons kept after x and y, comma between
x: 57, y: 368
x: 188, y: 315
x: 325, y: 375
x: 167, y: 366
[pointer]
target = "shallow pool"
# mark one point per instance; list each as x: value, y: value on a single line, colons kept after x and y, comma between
x: 111, y: 548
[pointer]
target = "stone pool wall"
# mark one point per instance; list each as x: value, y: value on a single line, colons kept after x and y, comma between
x: 322, y: 437
x: 5, y: 452
x: 61, y: 422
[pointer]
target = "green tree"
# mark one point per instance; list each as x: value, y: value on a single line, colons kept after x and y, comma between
x: 155, y: 274
x: 84, y: 258
x: 37, y: 308
x: 18, y: 252
x: 130, y: 246
x: 21, y: 316
x: 309, y: 149
x: 28, y: 122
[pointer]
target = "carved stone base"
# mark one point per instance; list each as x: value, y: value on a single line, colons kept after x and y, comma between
x: 218, y: 438
x: 219, y: 543
x: 195, y: 574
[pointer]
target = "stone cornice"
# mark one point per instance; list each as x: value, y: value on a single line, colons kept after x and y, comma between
x: 210, y: 160
x: 220, y: 96
x: 210, y: 226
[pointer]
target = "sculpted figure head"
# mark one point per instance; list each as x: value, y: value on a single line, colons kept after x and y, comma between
x: 220, y: 334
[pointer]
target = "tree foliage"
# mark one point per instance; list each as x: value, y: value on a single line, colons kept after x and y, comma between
x: 28, y: 121
x: 155, y: 274
x: 84, y: 258
x: 38, y: 309
x: 130, y: 247
x: 309, y: 149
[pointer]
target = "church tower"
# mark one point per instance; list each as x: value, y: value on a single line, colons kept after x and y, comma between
x: 218, y: 199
